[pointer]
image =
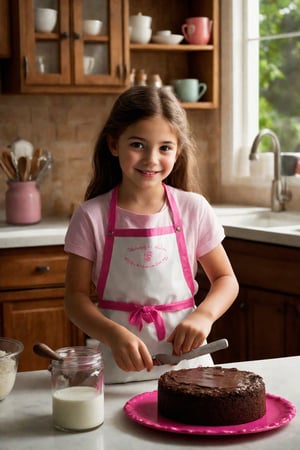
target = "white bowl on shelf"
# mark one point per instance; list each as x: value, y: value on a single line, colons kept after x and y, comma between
x: 92, y: 27
x: 171, y: 39
x: 140, y: 35
x: 45, y: 19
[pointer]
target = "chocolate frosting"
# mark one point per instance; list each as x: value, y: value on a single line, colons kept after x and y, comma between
x: 213, y: 378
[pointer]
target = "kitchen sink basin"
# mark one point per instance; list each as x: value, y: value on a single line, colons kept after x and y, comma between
x: 264, y: 219
x: 260, y: 224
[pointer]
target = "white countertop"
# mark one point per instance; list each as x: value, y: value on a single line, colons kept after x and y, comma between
x: 26, y: 423
x: 260, y: 224
x: 51, y: 231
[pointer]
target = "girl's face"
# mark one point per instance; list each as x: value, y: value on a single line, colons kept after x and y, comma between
x: 147, y: 151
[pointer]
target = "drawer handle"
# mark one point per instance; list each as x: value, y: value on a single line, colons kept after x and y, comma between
x: 42, y: 269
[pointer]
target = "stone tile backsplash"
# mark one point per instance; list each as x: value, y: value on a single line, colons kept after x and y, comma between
x: 68, y: 126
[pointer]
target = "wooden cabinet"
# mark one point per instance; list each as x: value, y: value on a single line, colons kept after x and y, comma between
x: 5, y: 50
x: 31, y: 301
x: 46, y: 62
x: 184, y: 60
x: 53, y: 62
x: 264, y: 321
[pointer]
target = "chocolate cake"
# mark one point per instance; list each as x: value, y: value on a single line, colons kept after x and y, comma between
x: 211, y: 396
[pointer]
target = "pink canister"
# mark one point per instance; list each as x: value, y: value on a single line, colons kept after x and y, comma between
x: 22, y: 203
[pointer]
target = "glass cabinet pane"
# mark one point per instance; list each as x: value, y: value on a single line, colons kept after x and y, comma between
x: 45, y: 4
x: 96, y: 10
x: 47, y: 57
x: 95, y: 59
x: 95, y: 29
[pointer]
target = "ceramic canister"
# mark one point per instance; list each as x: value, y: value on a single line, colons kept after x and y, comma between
x: 22, y: 203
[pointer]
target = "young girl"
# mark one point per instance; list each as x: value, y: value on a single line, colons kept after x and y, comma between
x: 138, y: 238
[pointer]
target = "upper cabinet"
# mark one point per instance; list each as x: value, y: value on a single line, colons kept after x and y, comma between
x: 58, y: 47
x: 5, y: 50
x: 57, y: 50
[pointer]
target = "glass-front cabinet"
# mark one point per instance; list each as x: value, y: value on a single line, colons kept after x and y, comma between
x: 67, y: 44
x: 91, y: 46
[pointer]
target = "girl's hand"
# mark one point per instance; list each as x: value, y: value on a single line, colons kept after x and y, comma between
x: 190, y: 332
x: 129, y: 352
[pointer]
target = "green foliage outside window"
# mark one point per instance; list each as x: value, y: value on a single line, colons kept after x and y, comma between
x: 279, y: 72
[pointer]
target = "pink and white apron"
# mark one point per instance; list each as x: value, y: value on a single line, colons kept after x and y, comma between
x: 146, y: 285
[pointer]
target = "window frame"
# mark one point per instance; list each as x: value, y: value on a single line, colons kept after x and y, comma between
x: 239, y: 84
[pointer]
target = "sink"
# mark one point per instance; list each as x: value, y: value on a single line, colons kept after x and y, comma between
x: 264, y: 219
x: 260, y: 224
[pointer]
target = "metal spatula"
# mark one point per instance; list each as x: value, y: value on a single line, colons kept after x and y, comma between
x: 164, y: 358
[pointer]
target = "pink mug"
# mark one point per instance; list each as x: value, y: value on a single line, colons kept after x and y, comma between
x: 197, y: 30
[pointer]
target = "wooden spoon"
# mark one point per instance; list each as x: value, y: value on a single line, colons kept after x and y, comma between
x: 6, y: 158
x: 6, y: 170
x: 47, y: 352
x: 24, y: 164
x: 22, y: 167
x: 73, y: 377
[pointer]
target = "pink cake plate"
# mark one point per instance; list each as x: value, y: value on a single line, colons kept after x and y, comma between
x: 143, y: 409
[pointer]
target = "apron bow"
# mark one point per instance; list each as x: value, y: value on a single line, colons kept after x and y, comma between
x: 148, y: 314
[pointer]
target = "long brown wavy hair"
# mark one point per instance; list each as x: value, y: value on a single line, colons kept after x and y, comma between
x: 139, y: 103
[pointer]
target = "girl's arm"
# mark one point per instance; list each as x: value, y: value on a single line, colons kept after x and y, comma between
x: 194, y: 329
x: 129, y: 352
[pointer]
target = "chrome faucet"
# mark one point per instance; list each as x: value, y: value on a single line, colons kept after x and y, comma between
x: 280, y: 193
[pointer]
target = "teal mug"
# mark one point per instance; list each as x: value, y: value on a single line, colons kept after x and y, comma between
x: 189, y: 89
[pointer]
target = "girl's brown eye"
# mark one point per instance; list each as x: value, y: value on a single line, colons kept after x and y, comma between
x: 137, y: 144
x: 166, y: 148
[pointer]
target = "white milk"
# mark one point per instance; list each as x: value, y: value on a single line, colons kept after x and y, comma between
x: 78, y: 408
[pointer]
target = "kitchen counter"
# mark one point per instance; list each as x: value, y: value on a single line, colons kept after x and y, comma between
x: 260, y: 224
x: 26, y: 423
x: 242, y: 222
x: 50, y: 231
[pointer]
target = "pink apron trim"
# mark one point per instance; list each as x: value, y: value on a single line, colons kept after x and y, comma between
x: 181, y: 241
x: 109, y: 243
x: 147, y: 313
x: 140, y: 232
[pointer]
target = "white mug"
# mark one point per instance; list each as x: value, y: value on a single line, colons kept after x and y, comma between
x: 88, y: 64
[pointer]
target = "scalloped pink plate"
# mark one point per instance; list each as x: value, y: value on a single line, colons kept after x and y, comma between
x: 143, y: 409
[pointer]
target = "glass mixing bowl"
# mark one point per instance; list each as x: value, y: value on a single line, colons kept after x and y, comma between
x: 10, y: 350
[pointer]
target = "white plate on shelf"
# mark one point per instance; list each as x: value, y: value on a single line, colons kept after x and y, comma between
x: 171, y: 39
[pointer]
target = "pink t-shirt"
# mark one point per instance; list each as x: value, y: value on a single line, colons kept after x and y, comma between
x: 86, y: 233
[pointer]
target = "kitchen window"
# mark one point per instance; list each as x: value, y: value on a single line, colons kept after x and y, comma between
x: 260, y: 87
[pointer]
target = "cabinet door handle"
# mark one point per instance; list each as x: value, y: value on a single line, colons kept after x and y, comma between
x: 42, y: 269
x: 64, y: 35
x: 76, y: 35
x: 119, y: 71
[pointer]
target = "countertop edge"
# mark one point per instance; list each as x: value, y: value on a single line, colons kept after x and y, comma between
x: 52, y: 230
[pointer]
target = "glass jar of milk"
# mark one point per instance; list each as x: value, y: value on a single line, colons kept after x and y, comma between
x: 77, y: 389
